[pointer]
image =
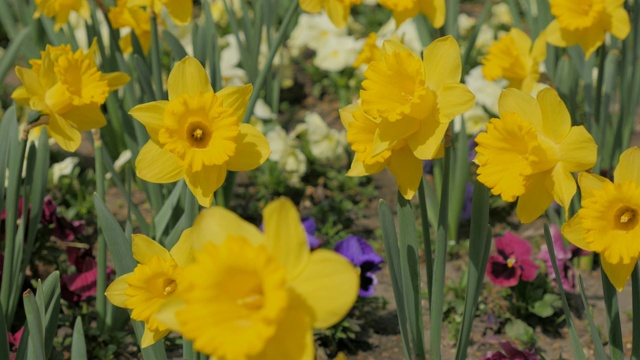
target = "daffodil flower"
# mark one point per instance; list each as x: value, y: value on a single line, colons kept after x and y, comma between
x: 152, y: 283
x: 337, y: 10
x: 609, y: 220
x: 405, y: 109
x: 60, y: 10
x: 434, y: 10
x: 123, y: 15
x: 586, y: 22
x: 513, y: 58
x: 69, y: 88
x: 198, y: 134
x: 262, y: 293
x: 531, y: 150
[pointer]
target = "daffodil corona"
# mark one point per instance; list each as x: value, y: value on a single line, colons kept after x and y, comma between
x: 609, y: 220
x: 263, y: 293
x: 152, y: 283
x: 531, y: 150
x: 405, y: 108
x: 198, y: 135
x: 69, y: 88
x: 586, y: 22
x: 434, y: 10
x: 337, y: 10
x: 60, y: 10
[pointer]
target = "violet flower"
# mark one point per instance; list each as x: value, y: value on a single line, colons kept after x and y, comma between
x: 361, y: 254
x: 512, y: 262
x: 563, y: 259
x: 510, y: 353
x: 310, y: 228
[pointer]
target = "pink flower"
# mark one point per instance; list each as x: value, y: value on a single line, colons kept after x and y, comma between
x: 512, y: 262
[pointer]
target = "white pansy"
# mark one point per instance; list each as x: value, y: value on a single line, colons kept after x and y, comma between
x: 501, y: 15
x: 466, y: 24
x: 339, y: 53
x: 312, y: 31
x: 407, y: 33
x: 485, y: 38
x: 232, y: 75
x: 475, y: 120
x: 486, y: 92
x: 63, y: 168
x: 325, y: 144
x: 263, y: 111
x: 285, y: 152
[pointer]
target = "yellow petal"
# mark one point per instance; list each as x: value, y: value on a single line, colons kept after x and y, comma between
x: 407, y: 169
x: 150, y: 337
x: 537, y: 197
x: 522, y: 41
x: 589, y: 183
x: 215, y: 224
x: 181, y: 252
x: 618, y: 273
x: 628, y: 168
x: 558, y: 37
x: 187, y: 77
x: 425, y: 142
x: 521, y: 103
x: 442, y: 64
x: 311, y: 6
x: 329, y: 284
x: 116, y: 291
x: 156, y: 165
x: 30, y: 81
x: 144, y: 249
x: 564, y: 186
x: 180, y: 11
x: 388, y: 132
x: 578, y: 150
x: 285, y: 237
x: 575, y: 233
x: 590, y: 40
x: 85, y: 117
x: 65, y: 135
x: 293, y: 339
x: 435, y: 11
x: 539, y: 50
x: 236, y: 98
x: 453, y: 100
x: 620, y: 25
x: 116, y: 79
x: 151, y: 115
x: 167, y: 312
x: 251, y: 151
x: 556, y: 118
x: 204, y: 182
x: 21, y: 96
x: 358, y: 168
x: 346, y: 114
x: 338, y: 12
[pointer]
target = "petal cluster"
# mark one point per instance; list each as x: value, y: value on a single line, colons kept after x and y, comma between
x: 608, y: 221
x: 434, y: 10
x: 197, y: 134
x: 530, y: 152
x: 60, y: 10
x: 337, y: 10
x: 586, y: 23
x: 405, y: 108
x: 512, y: 263
x: 69, y: 88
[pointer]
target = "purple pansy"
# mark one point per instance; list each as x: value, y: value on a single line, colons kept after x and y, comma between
x: 310, y: 228
x: 563, y: 259
x: 362, y: 255
x: 81, y: 285
x: 510, y: 353
x: 512, y: 262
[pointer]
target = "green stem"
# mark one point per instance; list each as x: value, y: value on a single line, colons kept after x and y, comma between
x: 101, y: 282
x: 613, y: 318
x: 156, y: 70
x: 426, y: 237
x: 635, y: 300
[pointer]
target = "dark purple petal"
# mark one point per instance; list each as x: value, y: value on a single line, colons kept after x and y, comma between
x: 514, y: 354
x: 49, y: 211
x: 368, y: 278
x: 496, y: 355
x: 500, y: 273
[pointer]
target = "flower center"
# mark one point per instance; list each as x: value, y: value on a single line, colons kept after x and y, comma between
x: 510, y: 262
x: 576, y: 15
x: 198, y: 135
x: 626, y: 218
x: 170, y: 286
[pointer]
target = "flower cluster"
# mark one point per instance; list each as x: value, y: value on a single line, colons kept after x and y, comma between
x: 263, y: 294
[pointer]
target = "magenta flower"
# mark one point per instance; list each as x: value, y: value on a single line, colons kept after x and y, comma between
x: 81, y: 285
x: 510, y: 353
x: 361, y: 254
x: 563, y: 259
x: 512, y: 262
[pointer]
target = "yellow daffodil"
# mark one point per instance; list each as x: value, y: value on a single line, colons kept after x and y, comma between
x: 337, y: 10
x: 254, y: 295
x: 513, y: 58
x: 531, y: 150
x: 434, y: 10
x: 405, y: 109
x: 586, y: 22
x: 151, y: 284
x: 608, y: 221
x: 69, y: 88
x: 136, y: 19
x: 198, y: 135
x: 370, y: 51
x: 180, y: 11
x: 60, y: 10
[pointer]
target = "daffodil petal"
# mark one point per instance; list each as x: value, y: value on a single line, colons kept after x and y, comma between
x: 338, y: 12
x: 167, y: 312
x: 216, y: 224
x: 116, y: 291
x: 156, y: 165
x: 329, y: 284
x: 558, y: 120
x: 358, y: 168
x: 435, y: 11
x: 618, y: 273
x: 252, y: 149
x: 236, y: 99
x: 187, y: 77
x: 204, y: 182
x: 453, y: 100
x: 521, y: 103
x: 564, y: 186
x: 65, y: 135
x: 590, y: 40
x: 558, y: 37
x: 144, y: 249
x: 180, y: 11
x: 628, y: 168
x: 285, y: 237
x: 116, y: 79
x: 442, y: 64
x: 182, y: 252
x: 346, y: 115
x: 537, y: 197
x: 85, y: 117
x: 407, y: 169
x: 575, y: 233
x: 589, y: 183
x: 388, y: 133
x: 150, y: 337
x: 311, y: 6
x: 30, y: 81
x: 578, y: 150
x: 151, y: 115
x: 21, y: 96
x: 425, y: 142
x: 620, y: 25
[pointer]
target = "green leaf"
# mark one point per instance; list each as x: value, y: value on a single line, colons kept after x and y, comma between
x: 519, y: 330
x: 4, y: 340
x: 78, y: 345
x: 546, y: 306
x: 177, y: 50
x: 36, y: 328
x: 8, y: 140
x: 51, y: 295
x: 14, y: 49
x: 593, y: 329
x: 163, y: 217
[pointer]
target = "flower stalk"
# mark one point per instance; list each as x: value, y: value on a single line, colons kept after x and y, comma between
x: 101, y: 282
